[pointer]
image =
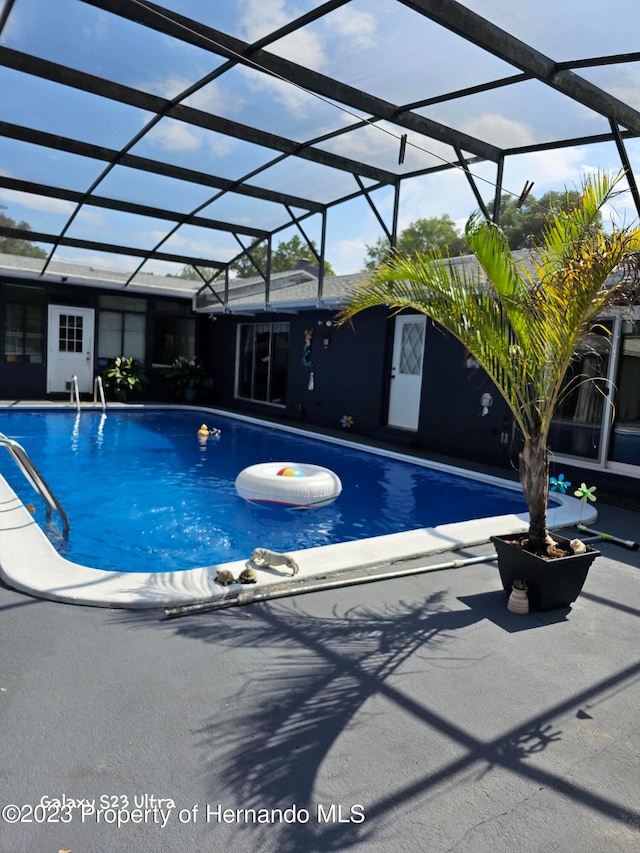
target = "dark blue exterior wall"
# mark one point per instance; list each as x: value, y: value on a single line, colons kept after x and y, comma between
x: 23, y: 381
x: 347, y: 374
x: 352, y: 375
x: 29, y: 381
x: 451, y: 419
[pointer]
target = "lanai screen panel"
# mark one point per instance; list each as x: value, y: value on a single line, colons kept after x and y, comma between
x: 162, y: 136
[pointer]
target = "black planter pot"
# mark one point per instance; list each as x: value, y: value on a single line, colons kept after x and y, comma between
x: 551, y: 583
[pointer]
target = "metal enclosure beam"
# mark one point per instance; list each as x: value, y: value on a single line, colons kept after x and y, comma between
x: 461, y: 20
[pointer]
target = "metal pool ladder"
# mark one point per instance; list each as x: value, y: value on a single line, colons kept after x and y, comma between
x: 98, y: 389
x: 35, y: 478
x: 74, y: 393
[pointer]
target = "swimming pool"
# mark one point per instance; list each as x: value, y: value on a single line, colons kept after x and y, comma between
x: 30, y: 563
x: 144, y: 494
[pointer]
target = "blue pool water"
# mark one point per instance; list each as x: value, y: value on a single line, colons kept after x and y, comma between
x: 143, y: 494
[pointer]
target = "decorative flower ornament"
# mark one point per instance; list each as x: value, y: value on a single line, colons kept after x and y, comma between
x: 346, y: 421
x: 585, y: 494
x: 559, y: 485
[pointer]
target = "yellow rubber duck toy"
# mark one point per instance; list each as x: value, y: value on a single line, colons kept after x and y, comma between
x: 203, y: 432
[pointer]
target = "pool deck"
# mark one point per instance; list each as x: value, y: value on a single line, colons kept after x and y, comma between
x: 419, y: 703
x: 29, y: 563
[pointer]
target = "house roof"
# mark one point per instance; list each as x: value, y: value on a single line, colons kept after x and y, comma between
x: 19, y: 267
x: 297, y: 290
x: 140, y: 138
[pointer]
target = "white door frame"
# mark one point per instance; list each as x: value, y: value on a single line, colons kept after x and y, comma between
x: 70, y: 348
x: 406, y: 371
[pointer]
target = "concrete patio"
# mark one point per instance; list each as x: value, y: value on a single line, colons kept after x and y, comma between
x: 414, y: 714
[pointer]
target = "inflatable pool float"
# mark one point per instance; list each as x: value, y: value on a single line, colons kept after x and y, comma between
x: 289, y: 484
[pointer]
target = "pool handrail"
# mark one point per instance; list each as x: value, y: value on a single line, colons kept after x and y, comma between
x: 98, y: 390
x: 75, y: 392
x: 35, y: 479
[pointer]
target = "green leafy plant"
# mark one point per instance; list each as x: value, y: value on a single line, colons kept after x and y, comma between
x: 520, y: 585
x: 124, y: 376
x: 523, y: 323
x: 186, y: 373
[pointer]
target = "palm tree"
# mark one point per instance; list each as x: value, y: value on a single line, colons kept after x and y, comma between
x: 522, y: 322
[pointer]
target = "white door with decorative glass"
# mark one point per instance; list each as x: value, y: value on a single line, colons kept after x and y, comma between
x: 70, y: 348
x: 406, y: 371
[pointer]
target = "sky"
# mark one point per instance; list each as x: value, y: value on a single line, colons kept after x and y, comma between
x: 379, y: 46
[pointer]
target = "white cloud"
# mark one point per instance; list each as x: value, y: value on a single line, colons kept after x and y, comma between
x: 337, y: 34
x: 304, y: 47
x: 260, y: 17
x: 173, y: 135
x: 348, y: 256
x: 199, y: 248
x: 438, y: 194
x: 168, y: 87
x: 213, y: 99
x: 549, y: 170
x: 356, y: 28
x: 220, y: 145
x: 92, y: 218
x: 210, y: 98
x: 151, y: 237
x: 296, y: 101
x: 37, y: 202
x: 622, y: 83
x: 379, y: 144
x: 176, y: 136
x: 499, y: 130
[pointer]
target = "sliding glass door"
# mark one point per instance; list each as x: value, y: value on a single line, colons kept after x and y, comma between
x: 625, y: 435
x: 263, y: 362
x: 578, y: 428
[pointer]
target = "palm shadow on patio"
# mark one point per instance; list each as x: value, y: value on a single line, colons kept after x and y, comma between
x: 323, y: 680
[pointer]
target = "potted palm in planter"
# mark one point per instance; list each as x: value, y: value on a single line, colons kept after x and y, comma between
x: 524, y: 325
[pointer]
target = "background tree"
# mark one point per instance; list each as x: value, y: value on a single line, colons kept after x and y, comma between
x: 284, y: 257
x: 423, y: 235
x: 190, y: 274
x: 14, y: 246
x: 524, y: 228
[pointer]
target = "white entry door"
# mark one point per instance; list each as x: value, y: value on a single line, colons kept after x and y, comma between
x: 406, y: 371
x: 70, y: 348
